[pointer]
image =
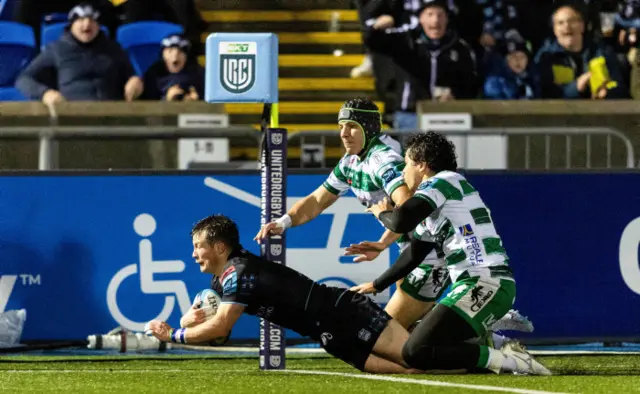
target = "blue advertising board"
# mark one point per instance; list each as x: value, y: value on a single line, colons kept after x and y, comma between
x: 86, y: 253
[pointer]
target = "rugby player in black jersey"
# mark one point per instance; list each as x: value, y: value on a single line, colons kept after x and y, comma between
x: 350, y: 326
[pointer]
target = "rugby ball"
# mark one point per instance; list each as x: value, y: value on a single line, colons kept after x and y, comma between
x: 209, y: 300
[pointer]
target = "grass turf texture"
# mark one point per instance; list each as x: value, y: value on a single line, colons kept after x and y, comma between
x: 144, y: 374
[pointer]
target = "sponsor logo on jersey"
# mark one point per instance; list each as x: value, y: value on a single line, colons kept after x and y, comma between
x: 424, y: 185
x: 389, y: 175
x: 479, y: 298
x: 364, y: 335
x: 230, y: 280
x: 473, y: 249
x: 466, y: 230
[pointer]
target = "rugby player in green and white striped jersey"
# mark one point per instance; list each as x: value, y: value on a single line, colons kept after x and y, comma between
x: 447, y: 212
x: 372, y: 169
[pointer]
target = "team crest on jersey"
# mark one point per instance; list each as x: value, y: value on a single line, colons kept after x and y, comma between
x: 454, y: 56
x: 376, y: 159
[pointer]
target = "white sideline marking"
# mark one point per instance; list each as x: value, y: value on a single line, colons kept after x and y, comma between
x: 421, y: 382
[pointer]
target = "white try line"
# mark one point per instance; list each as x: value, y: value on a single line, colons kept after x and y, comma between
x: 26, y: 371
x: 421, y: 382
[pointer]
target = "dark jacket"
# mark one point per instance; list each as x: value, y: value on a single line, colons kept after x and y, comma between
x: 504, y: 84
x: 157, y: 80
x: 559, y: 70
x: 95, y: 71
x: 448, y: 63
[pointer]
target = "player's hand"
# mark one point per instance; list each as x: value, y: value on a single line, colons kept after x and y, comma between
x: 365, y: 288
x: 267, y: 230
x: 380, y: 206
x: 193, y: 317
x: 159, y: 329
x: 366, y: 251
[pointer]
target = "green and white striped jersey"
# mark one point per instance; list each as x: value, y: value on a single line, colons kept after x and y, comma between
x: 462, y: 225
x: 373, y: 178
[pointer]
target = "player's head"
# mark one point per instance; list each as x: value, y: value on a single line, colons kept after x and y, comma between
x: 214, y: 238
x: 360, y: 123
x: 426, y: 155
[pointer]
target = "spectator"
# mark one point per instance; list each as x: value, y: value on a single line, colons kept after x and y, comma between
x: 628, y: 23
x: 499, y: 18
x: 83, y: 64
x: 627, y: 26
x: 516, y: 78
x: 32, y: 12
x: 574, y: 66
x: 174, y: 77
x: 182, y: 12
x: 440, y: 65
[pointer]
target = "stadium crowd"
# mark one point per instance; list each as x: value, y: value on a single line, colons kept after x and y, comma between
x: 498, y: 50
x: 417, y: 50
x: 86, y: 62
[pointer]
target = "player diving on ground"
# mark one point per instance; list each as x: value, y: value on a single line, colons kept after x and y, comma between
x: 446, y: 213
x: 372, y: 170
x: 349, y: 326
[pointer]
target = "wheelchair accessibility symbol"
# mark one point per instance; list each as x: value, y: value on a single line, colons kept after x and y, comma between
x: 145, y: 225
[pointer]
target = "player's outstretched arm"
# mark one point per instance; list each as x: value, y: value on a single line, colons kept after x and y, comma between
x: 408, y: 260
x: 404, y: 218
x: 219, y: 326
x: 369, y: 251
x: 303, y: 211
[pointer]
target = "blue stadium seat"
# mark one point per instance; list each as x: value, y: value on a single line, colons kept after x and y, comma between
x: 142, y: 41
x: 11, y: 94
x: 55, y: 17
x: 53, y: 31
x: 18, y: 47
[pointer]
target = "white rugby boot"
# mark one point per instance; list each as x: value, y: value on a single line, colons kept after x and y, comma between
x: 513, y: 321
x: 525, y: 364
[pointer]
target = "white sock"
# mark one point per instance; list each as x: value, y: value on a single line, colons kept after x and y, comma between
x: 498, y: 340
x: 496, y: 360
x: 499, y: 362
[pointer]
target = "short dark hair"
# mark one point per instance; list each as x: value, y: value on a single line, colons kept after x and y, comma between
x: 361, y: 103
x: 218, y: 228
x: 434, y: 150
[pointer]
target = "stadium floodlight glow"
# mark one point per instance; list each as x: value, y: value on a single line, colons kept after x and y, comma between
x: 243, y: 68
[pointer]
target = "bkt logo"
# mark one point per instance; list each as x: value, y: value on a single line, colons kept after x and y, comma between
x: 8, y: 284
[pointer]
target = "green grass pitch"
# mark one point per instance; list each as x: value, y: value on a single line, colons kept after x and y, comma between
x: 206, y: 374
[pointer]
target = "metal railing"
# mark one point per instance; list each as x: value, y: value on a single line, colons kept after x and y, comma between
x: 570, y: 133
x: 49, y: 135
